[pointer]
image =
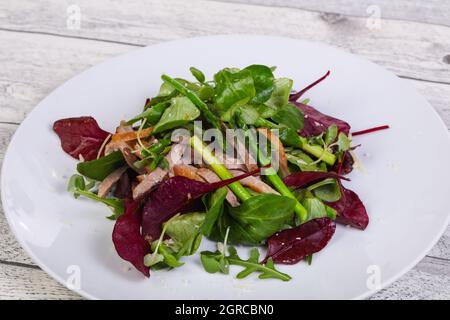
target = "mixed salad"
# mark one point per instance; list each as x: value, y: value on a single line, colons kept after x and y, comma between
x: 278, y: 184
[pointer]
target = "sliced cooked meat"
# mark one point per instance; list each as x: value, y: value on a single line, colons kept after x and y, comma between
x: 150, y: 181
x: 187, y: 171
x: 114, y: 146
x: 229, y: 162
x: 140, y: 178
x: 245, y: 156
x: 127, y: 153
x: 254, y: 183
x: 247, y: 161
x: 130, y: 158
x: 123, y: 127
x: 210, y: 177
x: 146, y: 143
x: 132, y: 135
x: 235, y: 164
x: 175, y: 156
x: 107, y: 183
x: 197, y: 159
x: 275, y: 141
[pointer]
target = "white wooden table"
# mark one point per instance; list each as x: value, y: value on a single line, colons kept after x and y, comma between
x: 42, y: 45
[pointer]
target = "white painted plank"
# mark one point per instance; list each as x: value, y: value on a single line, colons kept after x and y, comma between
x: 438, y: 95
x: 417, y: 53
x: 10, y: 249
x: 31, y: 284
x: 427, y: 11
x: 442, y: 248
x: 34, y: 65
x: 430, y: 279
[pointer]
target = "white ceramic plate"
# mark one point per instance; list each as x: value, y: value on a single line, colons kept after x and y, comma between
x: 405, y: 188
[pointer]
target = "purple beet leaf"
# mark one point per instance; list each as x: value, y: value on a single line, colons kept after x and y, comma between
x: 345, y: 166
x: 173, y: 196
x: 80, y: 136
x: 301, y: 179
x: 370, y: 130
x: 292, y: 245
x: 128, y: 241
x: 315, y: 122
x: 350, y: 209
x: 295, y: 96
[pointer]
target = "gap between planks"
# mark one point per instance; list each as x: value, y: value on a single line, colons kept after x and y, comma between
x: 73, y: 37
x: 422, y: 49
x: 339, y: 8
x: 423, y: 80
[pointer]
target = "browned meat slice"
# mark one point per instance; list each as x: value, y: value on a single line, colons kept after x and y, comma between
x: 150, y: 181
x: 210, y: 177
x: 187, y: 171
x: 254, y: 183
x: 132, y: 135
x: 140, y: 178
x: 130, y: 158
x: 107, y: 183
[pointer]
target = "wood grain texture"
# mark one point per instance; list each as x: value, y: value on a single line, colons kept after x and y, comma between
x: 421, y: 49
x: 442, y: 249
x: 29, y: 283
x: 430, y: 279
x: 10, y: 249
x: 33, y: 65
x: 41, y: 53
x: 430, y: 11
